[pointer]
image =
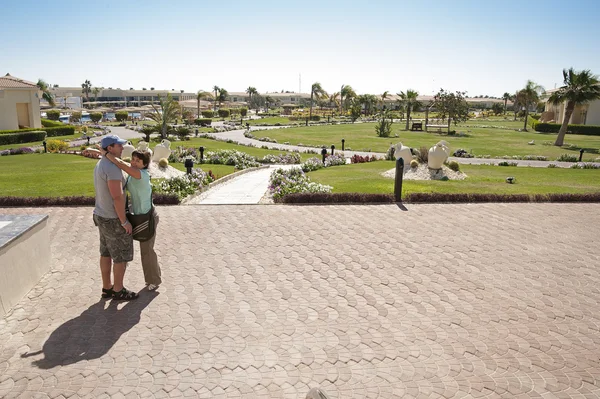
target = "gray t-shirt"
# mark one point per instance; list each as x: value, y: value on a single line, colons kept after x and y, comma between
x: 103, y: 172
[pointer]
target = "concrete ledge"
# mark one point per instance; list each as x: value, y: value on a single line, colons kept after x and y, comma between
x: 220, y: 181
x: 24, y: 256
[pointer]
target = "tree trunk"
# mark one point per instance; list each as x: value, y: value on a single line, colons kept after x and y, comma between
x: 505, y: 102
x: 449, y: 120
x: 341, y: 104
x: 311, y: 106
x: 563, y: 129
x: 526, y: 116
x: 407, y: 115
x: 198, y: 116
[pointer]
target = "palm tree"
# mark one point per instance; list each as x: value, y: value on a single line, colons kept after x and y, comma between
x: 315, y: 91
x: 580, y: 88
x: 87, y: 88
x: 346, y: 92
x: 409, y: 100
x: 200, y: 96
x: 166, y: 112
x: 45, y: 89
x: 223, y: 94
x: 216, y: 90
x: 506, y: 97
x: 384, y: 96
x: 333, y: 101
x: 251, y: 91
x: 268, y: 100
x: 530, y: 95
x: 96, y: 91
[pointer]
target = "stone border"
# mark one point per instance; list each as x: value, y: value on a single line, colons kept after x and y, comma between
x: 19, y: 225
x: 223, y: 179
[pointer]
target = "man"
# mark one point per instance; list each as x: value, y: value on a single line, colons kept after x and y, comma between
x: 116, y: 242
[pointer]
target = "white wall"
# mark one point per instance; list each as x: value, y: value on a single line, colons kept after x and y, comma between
x: 8, y: 108
x: 593, y: 113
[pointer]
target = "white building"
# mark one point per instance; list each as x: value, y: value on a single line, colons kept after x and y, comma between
x: 19, y: 104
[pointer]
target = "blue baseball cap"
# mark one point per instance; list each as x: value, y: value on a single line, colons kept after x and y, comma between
x: 111, y: 139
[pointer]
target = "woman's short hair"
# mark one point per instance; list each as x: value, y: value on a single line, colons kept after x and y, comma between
x: 143, y: 156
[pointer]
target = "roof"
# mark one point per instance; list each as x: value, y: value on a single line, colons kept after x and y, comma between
x: 12, y: 82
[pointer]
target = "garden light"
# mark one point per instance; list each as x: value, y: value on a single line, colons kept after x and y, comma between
x: 324, y: 154
x: 332, y: 149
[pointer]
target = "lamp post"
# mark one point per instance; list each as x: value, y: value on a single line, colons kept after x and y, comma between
x: 581, y: 154
x: 324, y: 154
x: 189, y: 164
x: 398, y: 180
x: 332, y: 149
x: 343, y: 141
x: 201, y: 154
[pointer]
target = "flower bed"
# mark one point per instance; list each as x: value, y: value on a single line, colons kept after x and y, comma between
x: 185, y: 185
x: 360, y: 159
x: 283, y: 182
x: 287, y: 159
x: 17, y: 151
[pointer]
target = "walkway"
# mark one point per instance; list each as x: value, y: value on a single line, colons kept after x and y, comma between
x: 248, y: 188
x: 238, y: 135
x: 364, y: 301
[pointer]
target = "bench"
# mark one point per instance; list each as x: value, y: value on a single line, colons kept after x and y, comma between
x: 438, y: 127
x: 417, y: 126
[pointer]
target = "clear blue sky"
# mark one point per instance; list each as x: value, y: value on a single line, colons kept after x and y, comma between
x: 372, y: 45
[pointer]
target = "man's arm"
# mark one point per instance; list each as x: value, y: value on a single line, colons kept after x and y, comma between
x: 133, y: 172
x: 116, y: 192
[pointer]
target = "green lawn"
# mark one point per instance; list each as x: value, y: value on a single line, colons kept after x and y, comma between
x: 366, y: 178
x: 481, y: 139
x: 212, y: 145
x: 271, y: 120
x: 57, y: 175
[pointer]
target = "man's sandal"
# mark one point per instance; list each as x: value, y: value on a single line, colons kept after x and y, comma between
x: 108, y: 293
x: 125, y: 295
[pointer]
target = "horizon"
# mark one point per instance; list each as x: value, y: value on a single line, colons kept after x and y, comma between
x: 267, y: 45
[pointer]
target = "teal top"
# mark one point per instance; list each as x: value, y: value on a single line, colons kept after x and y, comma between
x: 141, y: 193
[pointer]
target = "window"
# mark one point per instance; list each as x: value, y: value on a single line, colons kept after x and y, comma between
x: 292, y: 99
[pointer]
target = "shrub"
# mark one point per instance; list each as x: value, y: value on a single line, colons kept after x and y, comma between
x: 584, y: 166
x: 17, y: 151
x: 224, y: 113
x: 505, y: 163
x: 422, y: 155
x: 532, y: 122
x: 335, y: 160
x: 455, y: 166
x: 383, y: 128
x: 283, y: 182
x: 243, y: 111
x: 567, y: 158
x: 389, y: 155
x: 293, y: 158
x: 49, y: 123
x: 182, y: 186
x: 414, y: 163
x: 163, y: 162
x: 56, y: 145
x: 337, y: 198
x: 312, y: 164
x: 96, y: 116
x: 360, y: 159
x: 590, y: 130
x: 182, y: 132
x: 552, y: 165
x: 239, y: 159
x: 315, y: 118
x: 209, y: 113
x: 59, y: 131
x: 203, y: 121
x: 121, y: 116
x: 53, y: 114
x: 75, y: 117
x: 465, y: 198
x: 25, y: 137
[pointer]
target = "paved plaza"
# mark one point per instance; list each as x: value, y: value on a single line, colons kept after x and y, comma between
x: 490, y: 300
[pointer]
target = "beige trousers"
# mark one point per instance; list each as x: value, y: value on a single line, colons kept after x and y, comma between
x: 149, y: 259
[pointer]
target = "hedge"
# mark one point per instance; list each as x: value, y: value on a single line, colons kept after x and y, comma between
x: 53, y: 114
x: 64, y: 130
x: 208, y: 113
x: 20, y: 138
x: 224, y: 113
x: 203, y: 121
x: 121, y: 116
x: 49, y: 123
x: 589, y: 130
x: 157, y: 199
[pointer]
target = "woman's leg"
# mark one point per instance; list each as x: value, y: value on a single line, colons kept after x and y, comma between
x: 149, y: 259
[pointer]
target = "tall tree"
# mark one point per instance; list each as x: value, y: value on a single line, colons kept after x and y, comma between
x: 409, y: 101
x: 201, y: 95
x: 223, y: 94
x: 384, y: 97
x: 251, y: 91
x: 333, y: 101
x: 315, y: 91
x: 45, y: 89
x: 216, y: 90
x: 530, y: 95
x: 166, y: 112
x: 87, y: 89
x: 506, y: 97
x: 96, y: 91
x: 268, y: 101
x: 580, y: 88
x: 347, y: 93
x: 452, y: 106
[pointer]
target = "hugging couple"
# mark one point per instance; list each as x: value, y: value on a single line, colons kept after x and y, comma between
x: 114, y: 221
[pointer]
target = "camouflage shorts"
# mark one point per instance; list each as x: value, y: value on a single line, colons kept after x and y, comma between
x: 115, y: 243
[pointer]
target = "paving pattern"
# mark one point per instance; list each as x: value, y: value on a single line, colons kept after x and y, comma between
x: 491, y: 300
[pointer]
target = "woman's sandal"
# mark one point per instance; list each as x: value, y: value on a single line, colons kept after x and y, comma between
x: 125, y: 295
x: 108, y: 293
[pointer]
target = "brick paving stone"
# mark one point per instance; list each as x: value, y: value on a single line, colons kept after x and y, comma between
x: 490, y: 300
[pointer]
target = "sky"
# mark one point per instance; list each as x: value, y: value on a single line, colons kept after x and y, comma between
x: 481, y: 47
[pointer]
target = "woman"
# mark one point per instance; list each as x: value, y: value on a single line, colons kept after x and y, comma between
x: 140, y: 190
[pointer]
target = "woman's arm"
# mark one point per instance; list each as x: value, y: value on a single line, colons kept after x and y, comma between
x: 131, y: 171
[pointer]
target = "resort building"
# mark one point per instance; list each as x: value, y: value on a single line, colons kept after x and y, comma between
x: 19, y: 104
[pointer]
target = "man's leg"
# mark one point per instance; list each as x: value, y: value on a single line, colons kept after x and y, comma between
x: 105, y: 266
x: 119, y: 274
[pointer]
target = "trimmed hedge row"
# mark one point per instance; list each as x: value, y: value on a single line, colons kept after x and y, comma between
x: 158, y: 199
x: 63, y: 130
x: 49, y: 123
x: 590, y: 130
x: 21, y: 138
x: 203, y: 121
x: 360, y: 198
x: 208, y: 113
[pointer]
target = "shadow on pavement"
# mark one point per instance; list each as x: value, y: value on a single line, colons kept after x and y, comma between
x: 91, y: 334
